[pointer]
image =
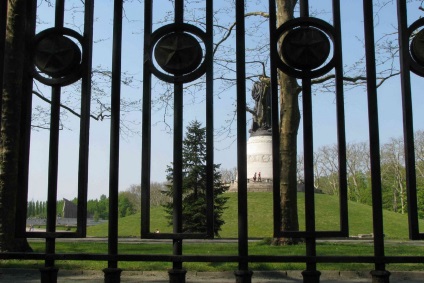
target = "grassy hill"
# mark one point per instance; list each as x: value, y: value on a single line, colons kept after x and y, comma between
x: 260, y: 218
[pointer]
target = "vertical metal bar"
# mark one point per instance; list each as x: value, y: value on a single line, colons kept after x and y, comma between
x: 241, y: 136
x: 179, y: 11
x: 85, y: 118
x: 341, y: 129
x: 373, y: 133
x: 308, y: 171
x: 53, y: 171
x: 178, y: 170
x: 114, y: 134
x: 54, y: 150
x: 53, y: 159
x: 408, y: 128
x: 146, y: 125
x: 304, y: 8
x: 308, y: 147
x: 209, y: 121
x: 178, y: 157
x: 59, y: 13
x: 276, y: 166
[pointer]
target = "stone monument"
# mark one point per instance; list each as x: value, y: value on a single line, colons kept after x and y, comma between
x: 259, y: 144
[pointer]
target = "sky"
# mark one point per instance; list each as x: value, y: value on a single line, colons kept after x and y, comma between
x: 390, y: 114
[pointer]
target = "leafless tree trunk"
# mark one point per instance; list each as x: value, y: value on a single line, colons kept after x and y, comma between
x: 289, y: 125
x: 10, y: 127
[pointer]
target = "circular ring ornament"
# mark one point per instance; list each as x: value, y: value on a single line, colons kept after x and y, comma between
x: 56, y: 55
x: 178, y: 52
x: 306, y: 47
x: 416, y: 48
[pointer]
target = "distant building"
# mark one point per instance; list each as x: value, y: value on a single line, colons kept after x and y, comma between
x: 70, y: 209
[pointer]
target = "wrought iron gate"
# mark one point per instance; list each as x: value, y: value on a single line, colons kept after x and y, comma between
x: 179, y: 53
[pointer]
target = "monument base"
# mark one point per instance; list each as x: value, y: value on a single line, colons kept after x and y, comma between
x: 264, y: 186
x: 259, y: 159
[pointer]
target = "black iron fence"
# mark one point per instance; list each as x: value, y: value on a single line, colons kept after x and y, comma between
x: 188, y: 64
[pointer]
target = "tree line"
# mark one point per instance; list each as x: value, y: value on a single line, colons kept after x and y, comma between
x: 129, y: 203
x: 393, y: 172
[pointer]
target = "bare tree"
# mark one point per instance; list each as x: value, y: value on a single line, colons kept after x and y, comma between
x: 157, y: 195
x: 327, y: 160
x: 228, y: 175
x: 357, y: 155
x: 300, y: 172
x: 419, y: 153
x: 394, y: 175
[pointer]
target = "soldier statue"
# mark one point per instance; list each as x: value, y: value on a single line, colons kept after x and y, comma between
x: 262, y: 111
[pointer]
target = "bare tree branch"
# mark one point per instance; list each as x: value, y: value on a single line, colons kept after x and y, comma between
x: 99, y: 117
x: 356, y: 79
x: 233, y: 25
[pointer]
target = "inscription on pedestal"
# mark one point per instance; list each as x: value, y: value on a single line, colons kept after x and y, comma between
x: 260, y: 158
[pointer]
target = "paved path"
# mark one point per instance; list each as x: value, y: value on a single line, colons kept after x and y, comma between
x: 136, y: 240
x: 66, y: 276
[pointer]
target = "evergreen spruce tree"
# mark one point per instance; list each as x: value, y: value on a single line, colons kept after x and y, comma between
x: 194, y: 184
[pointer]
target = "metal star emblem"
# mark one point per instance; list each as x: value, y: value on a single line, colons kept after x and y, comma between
x: 178, y: 53
x: 417, y: 47
x: 305, y: 48
x: 56, y: 56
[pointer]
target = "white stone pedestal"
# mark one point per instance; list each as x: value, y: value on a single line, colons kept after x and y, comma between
x: 259, y: 157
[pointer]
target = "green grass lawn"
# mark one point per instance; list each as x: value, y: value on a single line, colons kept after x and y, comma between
x: 260, y: 218
x: 255, y: 248
x: 260, y: 226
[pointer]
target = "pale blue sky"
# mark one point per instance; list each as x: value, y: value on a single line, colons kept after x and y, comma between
x: 225, y: 153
